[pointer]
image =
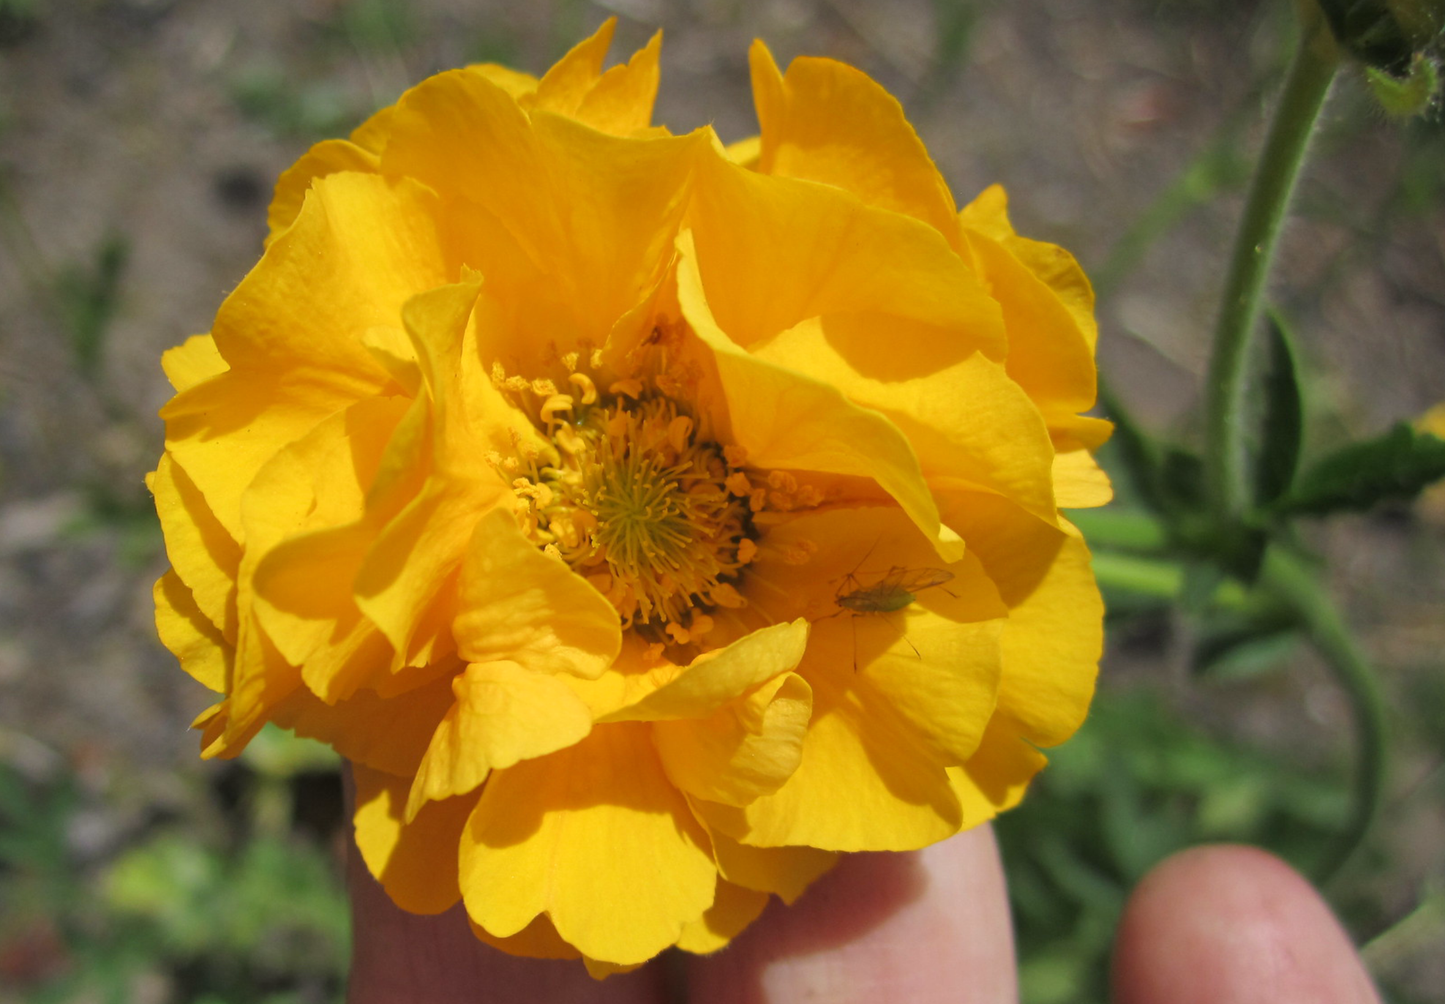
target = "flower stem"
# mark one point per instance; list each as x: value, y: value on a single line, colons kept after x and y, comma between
x: 1269, y: 194
x: 1297, y: 584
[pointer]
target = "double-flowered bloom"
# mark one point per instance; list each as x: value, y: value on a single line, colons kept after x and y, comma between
x: 646, y: 520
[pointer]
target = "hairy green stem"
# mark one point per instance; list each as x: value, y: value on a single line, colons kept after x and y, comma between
x: 1298, y: 585
x: 1269, y: 194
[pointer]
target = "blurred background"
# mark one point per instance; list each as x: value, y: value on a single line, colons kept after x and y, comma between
x: 139, y: 140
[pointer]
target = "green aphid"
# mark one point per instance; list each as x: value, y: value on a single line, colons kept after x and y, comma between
x: 894, y: 591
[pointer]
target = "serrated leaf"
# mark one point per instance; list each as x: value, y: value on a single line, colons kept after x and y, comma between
x: 1282, y: 424
x: 1394, y: 467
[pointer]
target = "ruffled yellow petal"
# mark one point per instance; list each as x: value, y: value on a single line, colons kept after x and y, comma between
x: 192, y: 362
x: 582, y: 835
x: 828, y: 122
x: 1054, y: 267
x: 189, y: 635
x: 733, y: 908
x: 260, y: 680
x: 620, y: 101
x: 1054, y: 634
x: 1079, y: 482
x: 291, y: 331
x: 743, y: 751
x: 538, y: 940
x: 361, y: 246
x: 517, y: 84
x: 593, y: 212
x: 566, y: 85
x: 302, y: 587
x: 996, y: 776
x: 715, y: 678
x: 784, y: 871
x: 331, y: 156
x: 222, y: 432
x: 518, y: 604
x: 899, y: 692
x: 504, y: 713
x: 776, y: 251
x: 865, y: 781
x: 389, y: 734
x: 415, y: 861
x: 420, y: 551
x: 204, y: 556
x: 968, y: 421
x: 787, y: 421
x: 1048, y: 354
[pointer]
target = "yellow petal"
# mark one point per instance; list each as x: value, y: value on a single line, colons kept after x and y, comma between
x: 865, y: 783
x: 594, y: 213
x: 222, y: 432
x: 898, y: 694
x: 189, y: 635
x: 745, y: 152
x: 826, y: 121
x: 785, y: 420
x: 1079, y: 432
x: 996, y: 776
x: 260, y: 680
x: 373, y: 133
x: 1054, y: 266
x: 518, y: 604
x: 620, y: 102
x: 1054, y: 634
x: 776, y: 251
x: 743, y: 751
x: 538, y: 940
x: 504, y: 713
x: 301, y: 588
x: 1079, y: 482
x: 595, y: 837
x: 785, y: 871
x: 360, y: 248
x: 564, y: 86
x: 388, y: 734
x: 421, y: 549
x: 204, y: 556
x: 192, y: 362
x: 330, y: 156
x: 1048, y: 354
x: 968, y: 421
x: 416, y: 861
x: 733, y: 908
x: 715, y: 678
x: 516, y: 83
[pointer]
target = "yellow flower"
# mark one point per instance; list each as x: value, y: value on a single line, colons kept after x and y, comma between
x: 647, y: 521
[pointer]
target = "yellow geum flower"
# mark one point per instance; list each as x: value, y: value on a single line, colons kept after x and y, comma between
x: 647, y: 521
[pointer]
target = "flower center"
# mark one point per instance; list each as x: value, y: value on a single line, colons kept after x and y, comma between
x: 653, y: 514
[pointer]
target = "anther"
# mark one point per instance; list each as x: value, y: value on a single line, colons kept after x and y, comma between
x: 589, y: 389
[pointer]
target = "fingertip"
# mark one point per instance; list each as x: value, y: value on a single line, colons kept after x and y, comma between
x: 1233, y: 925
x: 925, y: 926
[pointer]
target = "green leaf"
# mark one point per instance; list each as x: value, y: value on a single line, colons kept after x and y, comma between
x: 1394, y: 467
x: 1282, y: 424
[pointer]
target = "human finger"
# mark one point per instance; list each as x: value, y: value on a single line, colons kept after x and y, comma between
x: 926, y: 926
x: 1233, y: 925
